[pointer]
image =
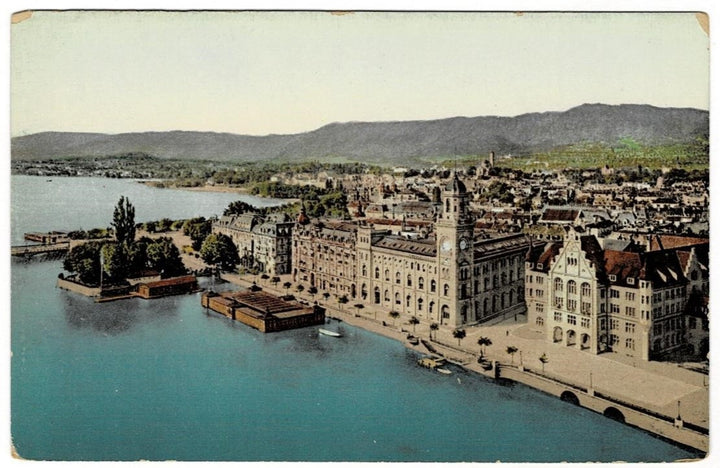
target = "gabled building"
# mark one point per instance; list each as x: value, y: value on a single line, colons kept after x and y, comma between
x: 631, y: 302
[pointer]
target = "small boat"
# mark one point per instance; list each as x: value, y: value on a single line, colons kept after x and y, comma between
x: 431, y: 362
x: 329, y: 333
x: 442, y: 370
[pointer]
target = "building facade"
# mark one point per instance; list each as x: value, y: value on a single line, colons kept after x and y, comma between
x: 263, y: 242
x: 634, y: 302
x: 453, y: 275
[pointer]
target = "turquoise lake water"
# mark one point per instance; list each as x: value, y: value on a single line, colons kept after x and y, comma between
x: 165, y: 380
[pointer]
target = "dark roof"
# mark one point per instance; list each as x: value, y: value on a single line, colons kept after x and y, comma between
x: 171, y: 281
x: 542, y: 255
x: 560, y: 215
x: 425, y: 247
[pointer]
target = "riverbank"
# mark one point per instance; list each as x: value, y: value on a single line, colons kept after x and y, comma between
x: 655, y: 388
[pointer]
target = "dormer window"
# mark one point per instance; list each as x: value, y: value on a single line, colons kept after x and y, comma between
x: 539, y: 266
x: 631, y: 281
x: 612, y: 278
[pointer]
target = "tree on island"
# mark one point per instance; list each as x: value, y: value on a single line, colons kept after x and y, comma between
x: 164, y: 256
x: 124, y: 222
x: 84, y: 260
x: 116, y: 261
x: 219, y: 250
x: 342, y: 300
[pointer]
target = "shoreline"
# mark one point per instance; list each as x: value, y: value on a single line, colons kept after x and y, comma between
x: 588, y: 397
x: 217, y: 189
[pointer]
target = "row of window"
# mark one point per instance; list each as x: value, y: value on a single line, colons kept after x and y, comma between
x: 572, y: 319
x: 571, y: 287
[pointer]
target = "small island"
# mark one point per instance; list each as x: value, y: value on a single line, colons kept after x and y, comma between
x: 124, y: 266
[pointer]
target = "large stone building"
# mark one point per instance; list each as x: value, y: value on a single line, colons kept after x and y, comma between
x: 453, y: 276
x: 263, y: 242
x: 636, y: 302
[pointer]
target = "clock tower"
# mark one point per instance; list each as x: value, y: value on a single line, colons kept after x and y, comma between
x: 455, y: 240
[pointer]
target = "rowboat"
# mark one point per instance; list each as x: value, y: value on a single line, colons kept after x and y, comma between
x: 329, y: 333
x: 443, y: 370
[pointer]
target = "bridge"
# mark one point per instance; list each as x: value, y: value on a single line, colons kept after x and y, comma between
x: 38, y: 249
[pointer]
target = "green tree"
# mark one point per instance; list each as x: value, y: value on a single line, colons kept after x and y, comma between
x: 164, y: 256
x: 459, y: 333
x: 197, y: 229
x: 218, y: 249
x: 115, y: 261
x: 124, y: 222
x: 84, y: 260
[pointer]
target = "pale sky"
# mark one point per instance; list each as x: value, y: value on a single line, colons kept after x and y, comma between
x: 287, y: 72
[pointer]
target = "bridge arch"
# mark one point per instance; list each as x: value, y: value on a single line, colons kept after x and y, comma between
x: 614, y: 413
x: 570, y: 397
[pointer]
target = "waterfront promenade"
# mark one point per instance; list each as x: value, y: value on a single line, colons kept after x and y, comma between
x: 655, y: 386
x: 659, y: 387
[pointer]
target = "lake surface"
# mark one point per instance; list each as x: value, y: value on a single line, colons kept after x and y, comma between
x: 166, y: 380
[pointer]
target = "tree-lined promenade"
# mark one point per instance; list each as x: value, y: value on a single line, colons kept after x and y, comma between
x: 656, y: 386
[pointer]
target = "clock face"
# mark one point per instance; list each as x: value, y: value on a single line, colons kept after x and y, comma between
x: 463, y: 244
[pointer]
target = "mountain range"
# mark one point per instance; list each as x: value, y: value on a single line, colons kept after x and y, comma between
x: 391, y: 142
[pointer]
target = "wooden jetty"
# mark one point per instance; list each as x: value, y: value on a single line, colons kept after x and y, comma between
x: 38, y: 249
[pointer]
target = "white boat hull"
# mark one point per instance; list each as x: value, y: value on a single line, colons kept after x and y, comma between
x: 329, y: 333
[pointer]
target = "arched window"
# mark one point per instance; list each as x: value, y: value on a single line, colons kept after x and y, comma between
x: 407, y: 301
x: 446, y: 290
x: 571, y: 287
x: 431, y: 306
x: 397, y: 298
x: 363, y: 291
x: 387, y: 275
x: 387, y: 295
x: 420, y: 303
x: 558, y: 285
x: 585, y: 289
x: 503, y: 278
x: 397, y: 278
x: 433, y: 285
x: 364, y: 270
x: 409, y: 280
x: 445, y: 311
x: 377, y: 273
x: 421, y: 283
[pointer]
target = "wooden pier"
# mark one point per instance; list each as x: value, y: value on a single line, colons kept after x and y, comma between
x: 39, y: 249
